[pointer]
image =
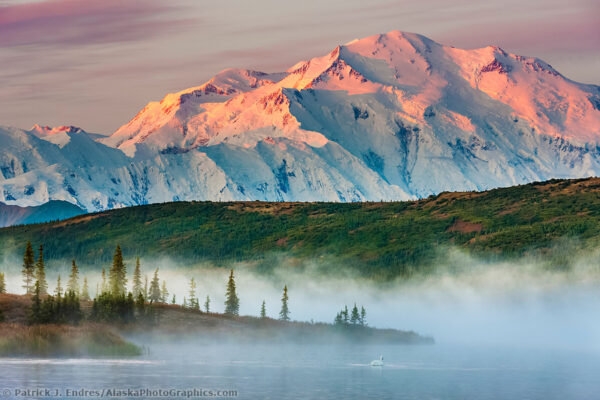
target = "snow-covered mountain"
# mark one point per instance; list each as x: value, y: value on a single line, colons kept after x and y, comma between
x: 391, y: 117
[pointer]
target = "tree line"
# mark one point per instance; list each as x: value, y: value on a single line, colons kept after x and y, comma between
x: 112, y: 301
x: 354, y: 318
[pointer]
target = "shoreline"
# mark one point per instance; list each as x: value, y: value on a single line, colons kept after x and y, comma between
x: 17, y: 339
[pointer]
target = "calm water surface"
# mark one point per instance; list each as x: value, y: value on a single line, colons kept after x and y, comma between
x: 327, y: 372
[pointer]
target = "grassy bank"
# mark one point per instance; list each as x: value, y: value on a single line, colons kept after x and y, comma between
x: 86, y: 339
x: 175, y: 321
x: 175, y: 324
x: 93, y: 340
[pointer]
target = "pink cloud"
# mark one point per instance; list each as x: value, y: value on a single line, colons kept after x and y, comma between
x: 80, y: 22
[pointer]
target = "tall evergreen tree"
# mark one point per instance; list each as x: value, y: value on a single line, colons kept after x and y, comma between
x: 232, y: 302
x: 103, y: 286
x: 284, y: 314
x: 339, y: 319
x: 263, y: 310
x: 363, y: 316
x: 164, y: 293
x: 174, y: 300
x: 40, y: 272
x: 59, y: 288
x: 185, y: 303
x: 85, y: 291
x: 35, y: 310
x: 155, y: 296
x: 207, y: 304
x: 70, y: 310
x: 137, y: 279
x: 146, y: 286
x: 2, y: 283
x: 140, y: 305
x: 117, y: 274
x: 73, y: 283
x: 345, y: 315
x: 354, y: 317
x: 193, y: 300
x: 29, y: 269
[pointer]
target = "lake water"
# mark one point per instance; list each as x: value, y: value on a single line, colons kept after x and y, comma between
x: 438, y: 371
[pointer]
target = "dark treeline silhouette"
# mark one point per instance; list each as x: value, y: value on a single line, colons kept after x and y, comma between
x: 57, y: 309
x: 353, y: 318
x: 113, y: 303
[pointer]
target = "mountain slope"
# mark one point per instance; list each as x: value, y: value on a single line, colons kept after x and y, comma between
x: 380, y: 240
x: 50, y: 211
x: 423, y: 116
x: 388, y: 117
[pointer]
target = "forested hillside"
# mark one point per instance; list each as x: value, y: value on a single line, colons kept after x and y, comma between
x: 379, y: 240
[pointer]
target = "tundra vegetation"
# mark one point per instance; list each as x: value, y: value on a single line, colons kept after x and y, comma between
x: 379, y: 241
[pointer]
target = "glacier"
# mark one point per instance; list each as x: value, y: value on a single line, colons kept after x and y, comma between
x: 394, y: 116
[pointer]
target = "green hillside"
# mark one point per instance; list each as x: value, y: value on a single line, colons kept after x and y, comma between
x: 380, y: 240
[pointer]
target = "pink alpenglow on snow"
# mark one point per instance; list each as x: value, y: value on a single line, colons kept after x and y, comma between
x: 394, y: 116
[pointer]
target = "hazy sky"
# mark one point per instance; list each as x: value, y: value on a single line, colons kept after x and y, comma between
x: 96, y: 63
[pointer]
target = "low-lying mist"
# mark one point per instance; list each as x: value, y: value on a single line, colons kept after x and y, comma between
x: 465, y: 300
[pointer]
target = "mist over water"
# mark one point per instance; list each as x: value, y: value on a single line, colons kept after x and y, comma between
x: 503, y: 330
x: 464, y: 301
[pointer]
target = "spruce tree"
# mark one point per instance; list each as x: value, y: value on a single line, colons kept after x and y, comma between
x: 137, y: 279
x: 363, y: 316
x: 207, y: 304
x: 40, y: 272
x: 164, y: 293
x: 345, y: 315
x: 232, y: 302
x: 354, y: 317
x: 85, y: 291
x: 35, y: 310
x: 263, y: 310
x: 193, y: 300
x: 73, y: 283
x: 145, y: 286
x: 117, y: 274
x: 140, y: 305
x: 174, y: 301
x: 184, y: 304
x: 29, y: 269
x: 103, y: 286
x: 2, y: 283
x: 50, y: 310
x: 284, y: 314
x: 59, y: 288
x: 70, y: 311
x: 155, y: 296
x: 339, y: 320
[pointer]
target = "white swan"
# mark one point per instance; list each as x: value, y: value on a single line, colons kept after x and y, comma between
x: 377, y: 363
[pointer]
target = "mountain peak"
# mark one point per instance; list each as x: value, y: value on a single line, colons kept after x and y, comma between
x: 418, y: 70
x: 390, y: 116
x: 47, y: 130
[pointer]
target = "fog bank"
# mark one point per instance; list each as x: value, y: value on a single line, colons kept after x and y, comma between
x: 466, y: 300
